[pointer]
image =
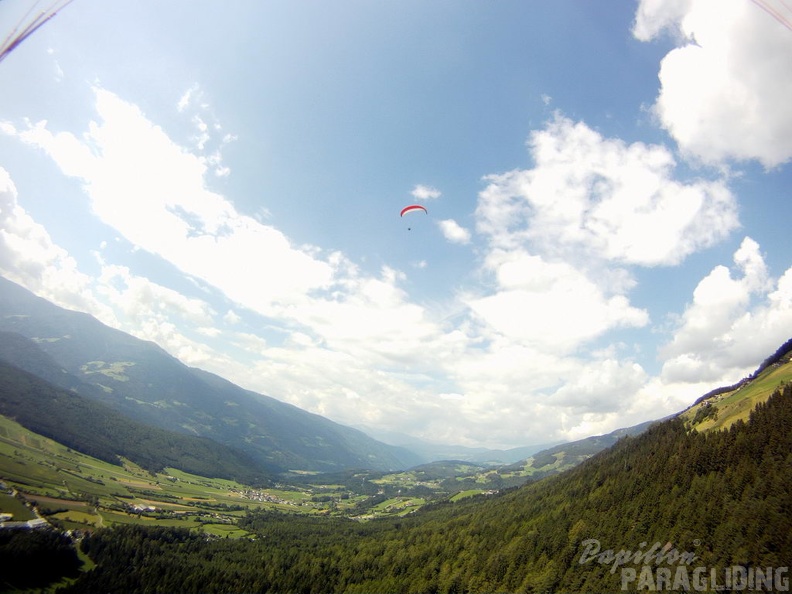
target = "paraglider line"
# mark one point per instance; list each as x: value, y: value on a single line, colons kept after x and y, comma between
x: 13, y: 39
x: 775, y: 13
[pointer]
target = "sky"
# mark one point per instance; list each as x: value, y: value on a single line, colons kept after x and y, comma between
x: 607, y: 190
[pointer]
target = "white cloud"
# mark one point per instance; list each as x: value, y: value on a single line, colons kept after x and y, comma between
x: 421, y: 192
x: 137, y: 297
x: 454, y: 232
x: 206, y: 133
x: 186, y: 98
x: 654, y: 17
x: 134, y: 304
x: 231, y: 317
x: 561, y: 240
x: 152, y: 312
x: 550, y: 305
x: 153, y: 192
x: 593, y: 197
x: 563, y: 234
x: 724, y: 91
x: 29, y: 257
x: 730, y: 319
x: 595, y: 387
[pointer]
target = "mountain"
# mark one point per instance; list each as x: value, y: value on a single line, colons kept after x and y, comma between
x: 674, y: 508
x: 515, y: 465
x: 722, y: 407
x: 140, y: 380
x: 566, y: 455
x: 95, y: 429
x: 435, y: 452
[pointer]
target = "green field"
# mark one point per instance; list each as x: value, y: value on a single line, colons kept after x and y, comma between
x: 737, y: 404
x: 75, y: 491
x: 17, y: 509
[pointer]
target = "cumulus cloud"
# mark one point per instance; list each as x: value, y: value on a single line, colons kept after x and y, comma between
x: 29, y: 257
x: 530, y: 393
x: 733, y: 314
x: 153, y: 312
x: 137, y: 297
x: 551, y: 305
x: 421, y: 192
x: 454, y: 232
x: 594, y: 387
x: 369, y: 316
x: 153, y: 192
x: 560, y: 242
x: 725, y: 88
x: 605, y: 199
x: 563, y: 235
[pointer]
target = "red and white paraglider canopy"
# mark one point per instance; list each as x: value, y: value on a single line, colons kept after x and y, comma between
x: 412, y: 208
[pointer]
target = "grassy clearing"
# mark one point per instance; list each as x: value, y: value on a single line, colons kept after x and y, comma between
x: 398, y: 506
x: 115, y: 371
x: 466, y: 494
x: 726, y: 409
x: 12, y: 505
x: 226, y: 531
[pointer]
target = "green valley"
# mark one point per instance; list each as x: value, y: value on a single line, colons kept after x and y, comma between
x: 86, y: 492
x: 711, y: 481
x: 716, y: 499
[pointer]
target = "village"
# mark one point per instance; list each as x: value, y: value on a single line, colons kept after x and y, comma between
x: 262, y: 496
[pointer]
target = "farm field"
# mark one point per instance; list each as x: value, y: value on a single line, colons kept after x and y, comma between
x: 75, y: 491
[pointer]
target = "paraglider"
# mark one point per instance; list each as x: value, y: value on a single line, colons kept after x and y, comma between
x: 777, y: 9
x: 29, y: 24
x: 411, y: 209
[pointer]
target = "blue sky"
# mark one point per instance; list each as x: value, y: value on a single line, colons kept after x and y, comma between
x: 607, y: 186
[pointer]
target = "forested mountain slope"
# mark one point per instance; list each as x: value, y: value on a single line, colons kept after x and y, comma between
x: 97, y: 430
x: 140, y: 380
x: 719, y: 498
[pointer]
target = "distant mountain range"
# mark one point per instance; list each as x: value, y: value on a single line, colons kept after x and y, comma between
x: 711, y: 481
x: 97, y: 430
x: 699, y: 501
x: 139, y: 380
x: 434, y: 452
x: 106, y: 374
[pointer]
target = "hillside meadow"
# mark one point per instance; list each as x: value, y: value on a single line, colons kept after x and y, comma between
x: 77, y: 491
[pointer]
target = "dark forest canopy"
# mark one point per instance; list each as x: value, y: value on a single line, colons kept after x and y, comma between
x: 99, y: 431
x: 720, y: 496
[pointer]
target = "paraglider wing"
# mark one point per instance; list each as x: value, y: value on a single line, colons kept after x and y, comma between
x: 777, y: 9
x: 412, y: 208
x: 29, y: 24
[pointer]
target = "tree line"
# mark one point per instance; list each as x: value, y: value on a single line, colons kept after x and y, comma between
x: 721, y: 496
x: 97, y: 430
